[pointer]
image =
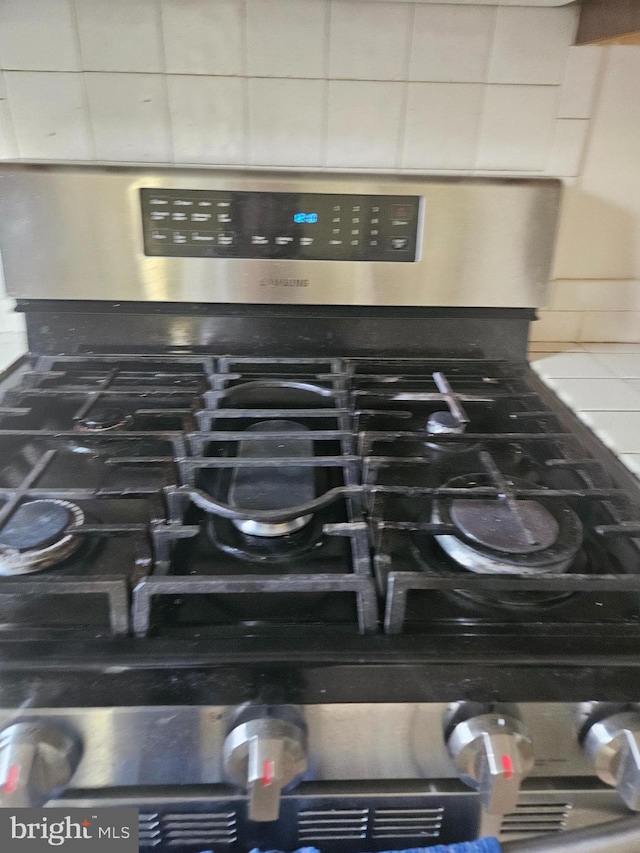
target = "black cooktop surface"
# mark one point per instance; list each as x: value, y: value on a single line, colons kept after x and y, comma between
x: 196, y: 497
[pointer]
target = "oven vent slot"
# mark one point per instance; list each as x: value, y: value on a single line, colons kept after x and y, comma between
x: 407, y: 823
x: 184, y: 830
x: 531, y: 818
x: 149, y: 832
x: 333, y: 824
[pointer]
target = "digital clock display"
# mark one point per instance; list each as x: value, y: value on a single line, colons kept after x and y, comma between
x: 305, y: 217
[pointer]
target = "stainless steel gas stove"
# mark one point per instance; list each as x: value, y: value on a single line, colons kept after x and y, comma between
x: 294, y: 548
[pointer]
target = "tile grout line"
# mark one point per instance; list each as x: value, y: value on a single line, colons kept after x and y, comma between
x: 326, y: 64
x: 167, y: 101
x: 404, y: 97
x: 485, y: 96
x: 603, y: 64
x: 91, y: 139
x: 285, y: 77
x: 246, y: 86
x: 11, y: 124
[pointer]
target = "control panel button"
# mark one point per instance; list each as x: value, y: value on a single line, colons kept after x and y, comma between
x: 335, y: 242
x: 306, y: 241
x: 284, y: 240
x: 226, y: 238
x: 399, y: 243
x: 200, y: 217
x: 159, y: 215
x: 205, y: 204
x: 224, y: 217
x: 157, y: 202
x: 179, y: 237
x: 182, y: 202
x: 179, y: 217
x: 160, y: 235
x: 200, y: 237
x: 259, y: 240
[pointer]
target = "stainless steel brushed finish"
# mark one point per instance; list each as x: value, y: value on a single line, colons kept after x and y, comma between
x: 613, y: 744
x: 37, y: 761
x: 493, y: 754
x: 76, y: 233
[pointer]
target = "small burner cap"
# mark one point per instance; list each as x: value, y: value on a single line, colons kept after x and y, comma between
x: 104, y: 420
x: 444, y: 423
x: 35, y: 525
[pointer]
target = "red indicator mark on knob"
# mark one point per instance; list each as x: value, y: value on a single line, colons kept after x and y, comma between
x: 11, y: 782
x: 268, y: 772
x: 507, y: 767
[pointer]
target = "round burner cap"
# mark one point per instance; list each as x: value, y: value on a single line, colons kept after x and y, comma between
x: 493, y: 524
x: 35, y: 525
x: 444, y: 423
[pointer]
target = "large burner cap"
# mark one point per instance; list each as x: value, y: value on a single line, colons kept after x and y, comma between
x: 492, y: 539
x: 493, y: 524
x: 36, y: 537
x: 104, y: 420
x: 35, y: 524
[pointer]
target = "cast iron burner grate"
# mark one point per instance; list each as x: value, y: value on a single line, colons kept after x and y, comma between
x: 251, y: 399
x: 158, y: 452
x: 521, y: 457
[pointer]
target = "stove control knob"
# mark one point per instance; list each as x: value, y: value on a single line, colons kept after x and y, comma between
x: 37, y: 761
x: 264, y: 753
x: 493, y: 754
x: 613, y: 745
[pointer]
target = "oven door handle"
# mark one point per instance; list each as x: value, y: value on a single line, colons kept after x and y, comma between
x: 619, y: 836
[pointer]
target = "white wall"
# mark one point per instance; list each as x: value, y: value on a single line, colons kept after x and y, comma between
x: 328, y: 84
x: 597, y: 294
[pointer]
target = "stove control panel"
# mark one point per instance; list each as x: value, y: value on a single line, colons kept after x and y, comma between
x: 280, y: 226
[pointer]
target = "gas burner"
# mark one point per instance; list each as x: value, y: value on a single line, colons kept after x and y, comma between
x: 104, y: 420
x: 269, y: 488
x: 494, y: 537
x: 278, y: 393
x: 260, y: 528
x: 272, y: 549
x: 444, y: 423
x: 35, y: 537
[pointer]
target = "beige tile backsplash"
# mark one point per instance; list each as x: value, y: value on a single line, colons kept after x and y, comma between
x: 348, y: 84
